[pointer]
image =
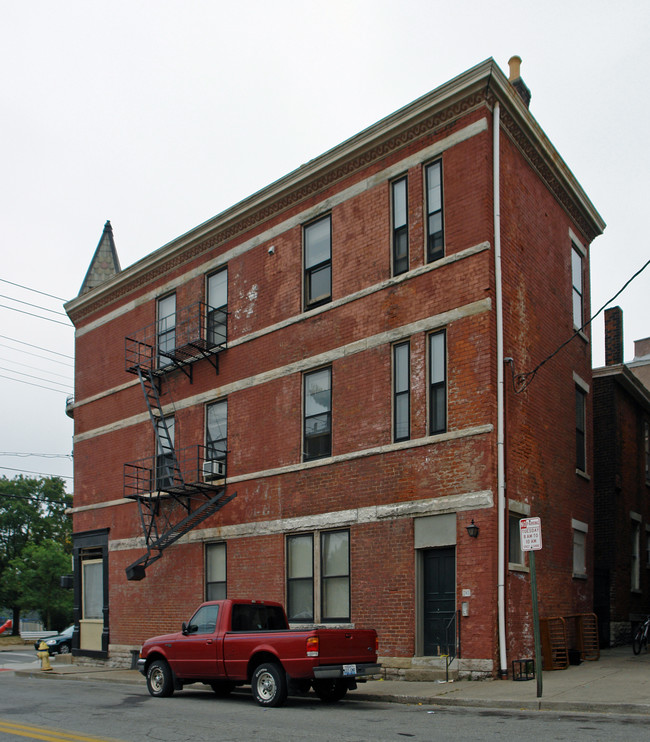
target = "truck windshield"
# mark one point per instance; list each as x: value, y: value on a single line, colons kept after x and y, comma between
x: 257, y: 618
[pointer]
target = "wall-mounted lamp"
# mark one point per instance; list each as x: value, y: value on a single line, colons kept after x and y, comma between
x: 472, y: 529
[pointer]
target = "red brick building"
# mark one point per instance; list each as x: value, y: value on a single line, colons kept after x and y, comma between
x: 309, y: 398
x: 621, y: 485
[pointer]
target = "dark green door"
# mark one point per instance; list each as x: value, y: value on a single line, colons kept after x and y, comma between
x: 439, y: 604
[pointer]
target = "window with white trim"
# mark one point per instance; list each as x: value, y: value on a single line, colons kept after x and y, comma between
x: 216, y: 434
x: 402, y: 391
x: 215, y: 571
x: 579, y: 548
x: 318, y: 577
x: 166, y: 329
x: 435, y: 228
x: 217, y: 307
x: 577, y: 280
x: 318, y: 262
x: 399, y: 213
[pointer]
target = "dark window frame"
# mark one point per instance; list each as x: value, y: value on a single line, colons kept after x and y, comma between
x: 216, y: 449
x: 165, y: 338
x: 581, y: 428
x: 400, y: 231
x: 435, y: 238
x: 323, y: 440
x: 577, y: 292
x: 400, y: 392
x: 438, y: 422
x: 216, y: 316
x: 312, y: 270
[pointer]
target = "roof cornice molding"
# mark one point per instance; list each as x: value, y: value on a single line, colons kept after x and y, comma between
x: 627, y: 379
x: 482, y: 85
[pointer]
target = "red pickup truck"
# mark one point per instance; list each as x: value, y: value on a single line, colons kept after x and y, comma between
x: 228, y: 643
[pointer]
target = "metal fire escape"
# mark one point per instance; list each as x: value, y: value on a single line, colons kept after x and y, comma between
x: 176, y: 490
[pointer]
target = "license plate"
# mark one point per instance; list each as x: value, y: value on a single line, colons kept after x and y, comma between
x: 349, y: 669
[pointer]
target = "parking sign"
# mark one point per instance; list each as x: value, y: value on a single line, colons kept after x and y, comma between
x: 530, y: 534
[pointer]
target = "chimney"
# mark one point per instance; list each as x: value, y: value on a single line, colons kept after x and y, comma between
x: 613, y: 336
x: 517, y: 83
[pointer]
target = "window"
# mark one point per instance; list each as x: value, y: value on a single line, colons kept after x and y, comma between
x: 435, y: 234
x: 165, y: 457
x: 217, y: 307
x: 647, y: 546
x: 166, y: 329
x: 317, y: 414
x: 322, y: 560
x: 204, y: 621
x: 579, y: 549
x: 515, y: 554
x: 216, y: 431
x: 318, y: 262
x: 335, y: 576
x: 300, y: 577
x: 577, y: 280
x: 646, y: 446
x: 635, y: 558
x: 399, y: 190
x: 437, y: 383
x: 401, y: 392
x: 215, y: 571
x: 581, y: 426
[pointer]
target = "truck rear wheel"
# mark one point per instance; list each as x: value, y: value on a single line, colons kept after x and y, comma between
x: 330, y: 691
x: 269, y: 685
x: 160, y: 682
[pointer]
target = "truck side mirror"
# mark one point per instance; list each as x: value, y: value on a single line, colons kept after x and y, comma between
x: 184, y: 628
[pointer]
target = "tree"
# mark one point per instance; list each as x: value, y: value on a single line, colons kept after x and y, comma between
x: 34, y: 577
x: 31, y: 511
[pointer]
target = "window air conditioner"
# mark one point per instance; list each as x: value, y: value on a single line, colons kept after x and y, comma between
x: 214, y: 470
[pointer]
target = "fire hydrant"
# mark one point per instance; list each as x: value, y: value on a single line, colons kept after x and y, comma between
x: 43, y: 655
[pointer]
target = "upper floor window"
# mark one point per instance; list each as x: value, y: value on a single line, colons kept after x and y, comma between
x: 581, y: 428
x: 318, y: 262
x: 217, y: 307
x: 399, y: 190
x: 216, y: 439
x: 300, y: 577
x: 646, y: 446
x: 435, y: 229
x: 577, y: 278
x: 437, y: 383
x: 215, y: 571
x: 166, y: 328
x: 401, y: 392
x: 317, y: 433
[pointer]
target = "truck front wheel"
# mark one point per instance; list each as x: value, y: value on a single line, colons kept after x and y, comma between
x: 160, y: 682
x: 269, y: 685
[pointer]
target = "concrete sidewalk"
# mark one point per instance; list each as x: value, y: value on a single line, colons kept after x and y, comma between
x: 618, y: 683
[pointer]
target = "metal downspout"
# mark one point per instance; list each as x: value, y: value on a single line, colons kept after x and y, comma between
x: 501, y: 476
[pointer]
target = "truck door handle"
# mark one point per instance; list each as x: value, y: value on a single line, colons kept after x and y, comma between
x: 208, y: 641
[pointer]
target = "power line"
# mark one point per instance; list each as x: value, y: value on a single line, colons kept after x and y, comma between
x: 38, y: 378
x: 38, y: 347
x: 40, y: 386
x: 4, y: 280
x: 40, y: 473
x: 29, y: 304
x: 36, y: 368
x: 39, y: 455
x: 36, y: 355
x: 35, y: 498
x: 31, y: 314
x: 522, y: 381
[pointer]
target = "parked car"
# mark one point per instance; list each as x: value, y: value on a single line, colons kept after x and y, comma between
x: 59, y: 644
x: 228, y: 643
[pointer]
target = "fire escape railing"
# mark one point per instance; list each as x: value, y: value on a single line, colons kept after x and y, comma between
x: 174, y: 490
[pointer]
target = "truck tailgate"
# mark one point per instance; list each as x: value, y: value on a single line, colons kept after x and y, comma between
x: 341, y: 646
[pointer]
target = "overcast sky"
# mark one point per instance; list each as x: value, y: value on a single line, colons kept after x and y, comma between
x: 160, y: 114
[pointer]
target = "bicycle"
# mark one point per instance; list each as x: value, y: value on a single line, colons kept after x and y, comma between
x: 641, y: 637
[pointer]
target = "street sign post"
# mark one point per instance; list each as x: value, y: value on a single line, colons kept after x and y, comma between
x: 530, y: 535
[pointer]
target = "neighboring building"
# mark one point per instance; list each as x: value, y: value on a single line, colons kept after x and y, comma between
x: 302, y: 398
x: 621, y: 485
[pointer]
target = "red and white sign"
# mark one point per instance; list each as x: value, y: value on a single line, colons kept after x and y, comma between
x: 530, y: 534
